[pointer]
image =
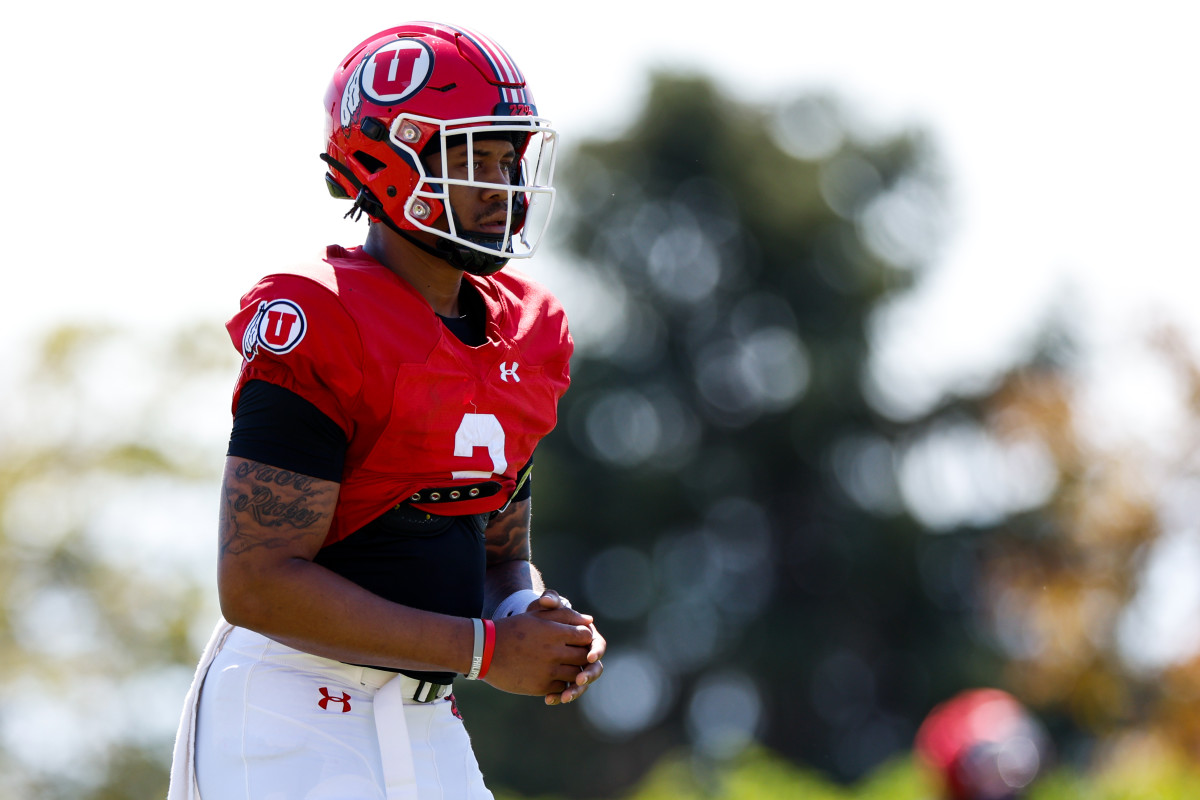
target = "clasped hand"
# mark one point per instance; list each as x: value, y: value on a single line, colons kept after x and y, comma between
x: 551, y: 649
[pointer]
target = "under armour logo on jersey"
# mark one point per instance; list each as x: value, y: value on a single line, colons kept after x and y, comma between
x: 507, y: 372
x: 277, y: 326
x: 326, y: 699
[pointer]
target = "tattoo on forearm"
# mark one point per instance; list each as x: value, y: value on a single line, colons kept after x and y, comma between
x: 271, y: 510
x: 268, y: 507
x: 508, y: 554
x: 279, y: 477
x: 508, y: 535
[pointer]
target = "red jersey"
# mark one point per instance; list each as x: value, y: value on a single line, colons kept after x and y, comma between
x: 426, y: 416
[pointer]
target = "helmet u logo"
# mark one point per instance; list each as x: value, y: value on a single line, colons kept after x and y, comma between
x: 396, y: 71
x: 393, y: 71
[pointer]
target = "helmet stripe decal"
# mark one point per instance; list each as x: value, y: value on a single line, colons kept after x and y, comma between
x: 506, y: 70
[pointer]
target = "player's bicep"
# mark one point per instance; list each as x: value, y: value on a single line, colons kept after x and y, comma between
x: 508, y: 534
x: 270, y: 514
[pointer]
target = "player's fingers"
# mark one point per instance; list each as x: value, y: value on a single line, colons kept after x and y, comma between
x: 569, y: 644
x: 578, y: 636
x: 572, y: 693
x: 554, y: 693
x: 565, y: 616
x: 590, y: 673
x: 562, y: 601
x: 551, y: 600
x: 565, y: 674
x: 598, y: 646
x: 573, y: 657
x: 583, y: 681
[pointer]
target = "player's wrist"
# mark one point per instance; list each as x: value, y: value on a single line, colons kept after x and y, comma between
x: 483, y: 648
x: 489, y: 647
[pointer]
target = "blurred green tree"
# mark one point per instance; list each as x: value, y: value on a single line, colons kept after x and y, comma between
x: 105, y: 560
x: 777, y: 549
x: 726, y: 489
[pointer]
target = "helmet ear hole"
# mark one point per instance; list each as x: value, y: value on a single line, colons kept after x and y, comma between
x: 369, y: 162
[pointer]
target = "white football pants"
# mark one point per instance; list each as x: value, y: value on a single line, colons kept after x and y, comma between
x: 275, y: 723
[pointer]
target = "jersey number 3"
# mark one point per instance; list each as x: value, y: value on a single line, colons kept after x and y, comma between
x: 480, y: 430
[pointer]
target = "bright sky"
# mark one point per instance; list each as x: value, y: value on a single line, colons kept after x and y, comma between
x: 160, y: 157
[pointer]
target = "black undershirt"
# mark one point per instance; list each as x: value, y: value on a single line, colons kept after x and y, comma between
x: 426, y: 561
x: 275, y: 426
x: 470, y: 326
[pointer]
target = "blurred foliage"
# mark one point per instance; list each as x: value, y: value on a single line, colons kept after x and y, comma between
x: 1064, y: 588
x: 102, y: 587
x: 791, y: 568
x: 776, y: 551
x: 758, y: 775
x: 723, y: 489
x: 1059, y: 580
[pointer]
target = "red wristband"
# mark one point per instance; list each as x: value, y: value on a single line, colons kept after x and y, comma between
x: 489, y: 646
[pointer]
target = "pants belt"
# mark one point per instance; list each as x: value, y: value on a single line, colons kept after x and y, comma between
x: 413, y: 690
x: 424, y: 691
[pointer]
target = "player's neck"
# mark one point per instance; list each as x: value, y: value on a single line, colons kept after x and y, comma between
x: 435, y: 280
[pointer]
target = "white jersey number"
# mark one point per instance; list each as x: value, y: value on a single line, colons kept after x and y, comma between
x: 480, y: 430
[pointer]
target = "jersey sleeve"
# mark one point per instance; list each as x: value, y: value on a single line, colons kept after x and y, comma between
x: 274, y: 426
x: 295, y: 333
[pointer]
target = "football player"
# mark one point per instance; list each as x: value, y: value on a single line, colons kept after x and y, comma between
x: 374, y: 526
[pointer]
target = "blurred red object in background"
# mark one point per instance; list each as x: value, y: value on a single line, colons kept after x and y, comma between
x: 984, y: 744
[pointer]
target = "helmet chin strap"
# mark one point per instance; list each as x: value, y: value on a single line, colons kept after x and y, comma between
x: 456, y: 255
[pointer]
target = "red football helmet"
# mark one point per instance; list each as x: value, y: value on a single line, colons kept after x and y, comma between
x: 397, y: 98
x: 984, y: 745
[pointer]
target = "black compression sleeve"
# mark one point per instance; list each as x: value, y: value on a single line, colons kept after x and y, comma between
x: 278, y: 427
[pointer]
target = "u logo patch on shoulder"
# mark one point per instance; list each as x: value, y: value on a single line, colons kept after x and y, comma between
x: 277, y: 326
